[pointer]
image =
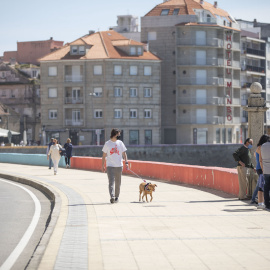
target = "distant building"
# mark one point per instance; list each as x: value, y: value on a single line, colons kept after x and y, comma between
x: 128, y: 26
x: 98, y: 82
x: 199, y: 44
x: 29, y: 52
x: 21, y: 93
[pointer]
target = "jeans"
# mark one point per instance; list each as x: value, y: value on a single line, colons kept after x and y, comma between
x: 266, y: 190
x: 67, y: 160
x: 255, y: 193
x: 50, y: 162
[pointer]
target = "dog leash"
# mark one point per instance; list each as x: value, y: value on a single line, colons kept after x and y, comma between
x: 136, y: 174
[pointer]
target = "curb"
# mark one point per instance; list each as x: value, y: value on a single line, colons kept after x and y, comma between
x: 55, y: 201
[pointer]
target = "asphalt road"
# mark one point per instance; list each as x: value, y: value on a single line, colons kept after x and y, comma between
x: 23, y: 215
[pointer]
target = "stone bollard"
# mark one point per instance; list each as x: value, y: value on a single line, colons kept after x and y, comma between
x: 256, y: 109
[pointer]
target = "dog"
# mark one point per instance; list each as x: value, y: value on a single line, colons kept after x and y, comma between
x: 146, y: 188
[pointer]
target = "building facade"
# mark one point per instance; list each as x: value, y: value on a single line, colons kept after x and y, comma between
x: 199, y: 45
x: 98, y: 82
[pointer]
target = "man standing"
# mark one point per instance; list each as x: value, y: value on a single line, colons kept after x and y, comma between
x: 115, y: 151
x: 48, y: 149
x: 243, y: 156
x: 265, y: 156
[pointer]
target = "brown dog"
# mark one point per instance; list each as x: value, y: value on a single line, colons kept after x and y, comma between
x: 146, y: 188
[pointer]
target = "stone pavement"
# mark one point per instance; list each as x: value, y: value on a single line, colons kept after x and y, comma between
x: 183, y: 228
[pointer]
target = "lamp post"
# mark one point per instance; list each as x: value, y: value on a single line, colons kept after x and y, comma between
x: 226, y: 96
x: 92, y: 95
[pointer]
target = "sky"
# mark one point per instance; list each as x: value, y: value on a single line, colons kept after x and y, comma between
x: 67, y: 20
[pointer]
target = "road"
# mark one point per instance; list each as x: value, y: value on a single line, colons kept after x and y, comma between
x: 23, y: 215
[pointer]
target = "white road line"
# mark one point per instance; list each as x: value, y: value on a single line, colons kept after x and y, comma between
x: 27, y: 235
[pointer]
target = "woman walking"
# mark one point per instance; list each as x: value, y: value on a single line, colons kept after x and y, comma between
x: 55, y: 155
x: 68, y: 146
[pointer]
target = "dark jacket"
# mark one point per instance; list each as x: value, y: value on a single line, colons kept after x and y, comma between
x: 243, y: 154
x: 68, y: 147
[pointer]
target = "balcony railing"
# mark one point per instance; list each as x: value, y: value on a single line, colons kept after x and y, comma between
x: 72, y: 122
x: 211, y: 42
x: 255, y: 52
x: 201, y: 61
x: 201, y: 81
x: 253, y: 68
x: 215, y: 120
x: 73, y: 78
x: 206, y: 101
x: 71, y: 100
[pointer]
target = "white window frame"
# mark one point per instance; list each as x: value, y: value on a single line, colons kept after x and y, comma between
x: 133, y: 70
x: 117, y: 91
x: 147, y: 92
x: 52, y: 114
x: 133, y: 50
x: 98, y: 113
x: 76, y: 116
x: 133, y: 92
x: 147, y: 113
x: 117, y: 70
x: 74, y: 49
x: 152, y: 35
x: 147, y: 70
x: 118, y: 113
x: 52, y: 92
x: 52, y: 71
x: 98, y: 91
x: 133, y: 113
x: 81, y: 49
x: 98, y: 70
x: 140, y: 50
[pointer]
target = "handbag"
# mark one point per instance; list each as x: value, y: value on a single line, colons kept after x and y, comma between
x: 261, y: 181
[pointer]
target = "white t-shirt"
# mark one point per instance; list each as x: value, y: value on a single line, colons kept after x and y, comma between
x: 114, y: 151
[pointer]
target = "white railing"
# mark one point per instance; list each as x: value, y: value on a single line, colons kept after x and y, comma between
x: 71, y: 100
x: 72, y: 122
x: 214, y: 120
x: 207, y: 101
x: 201, y: 81
x: 73, y: 78
x: 211, y: 42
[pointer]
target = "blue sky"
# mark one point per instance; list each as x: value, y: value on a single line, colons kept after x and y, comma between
x: 67, y: 20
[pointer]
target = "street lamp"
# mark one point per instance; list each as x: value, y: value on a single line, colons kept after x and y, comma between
x: 92, y: 95
x: 226, y: 96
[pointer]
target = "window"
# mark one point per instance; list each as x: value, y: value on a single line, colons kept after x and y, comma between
x: 76, y: 116
x: 229, y: 135
x: 133, y: 92
x: 3, y: 74
x: 98, y: 91
x: 134, y: 137
x: 132, y: 50
x: 52, y: 114
x: 147, y: 71
x: 117, y: 91
x: 133, y: 113
x: 118, y: 113
x: 117, y: 70
x: 81, y: 49
x: 4, y: 93
x: 164, y: 12
x: 52, y: 92
x: 147, y: 92
x: 218, y: 135
x: 133, y: 70
x: 176, y: 11
x: 52, y: 71
x: 98, y: 113
x: 34, y: 73
x: 148, y: 137
x: 140, y: 50
x: 74, y: 49
x: 152, y: 36
x: 97, y: 70
x: 147, y: 113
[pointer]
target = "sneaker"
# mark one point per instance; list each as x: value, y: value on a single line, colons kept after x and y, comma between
x: 261, y: 206
x: 252, y: 202
x: 49, y: 168
x: 116, y: 200
x: 112, y: 200
x: 68, y: 166
x: 55, y: 173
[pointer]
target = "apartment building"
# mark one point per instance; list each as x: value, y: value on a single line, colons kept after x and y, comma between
x: 199, y: 44
x: 98, y: 82
x: 21, y: 93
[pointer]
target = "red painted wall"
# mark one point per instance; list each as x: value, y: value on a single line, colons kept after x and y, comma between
x: 211, y: 177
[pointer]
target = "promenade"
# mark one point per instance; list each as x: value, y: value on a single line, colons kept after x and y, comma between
x: 182, y: 228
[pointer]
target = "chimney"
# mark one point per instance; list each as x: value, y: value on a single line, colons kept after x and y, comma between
x: 215, y: 4
x: 51, y: 38
x: 201, y: 2
x: 91, y: 32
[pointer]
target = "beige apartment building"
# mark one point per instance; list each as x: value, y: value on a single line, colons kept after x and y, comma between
x: 199, y: 45
x: 98, y: 82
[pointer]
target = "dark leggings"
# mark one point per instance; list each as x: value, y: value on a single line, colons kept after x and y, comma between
x: 67, y: 160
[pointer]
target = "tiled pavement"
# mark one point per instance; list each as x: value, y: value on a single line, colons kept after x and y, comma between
x: 183, y: 228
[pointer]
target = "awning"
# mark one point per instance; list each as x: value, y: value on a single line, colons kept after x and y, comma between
x: 4, y: 132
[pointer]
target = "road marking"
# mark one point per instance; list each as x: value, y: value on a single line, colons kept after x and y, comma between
x: 28, y: 233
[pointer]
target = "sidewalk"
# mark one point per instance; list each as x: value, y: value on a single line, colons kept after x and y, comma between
x: 182, y: 228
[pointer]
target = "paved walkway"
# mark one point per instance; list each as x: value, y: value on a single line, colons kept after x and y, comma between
x: 183, y: 228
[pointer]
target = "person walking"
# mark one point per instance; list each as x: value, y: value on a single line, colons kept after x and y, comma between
x: 258, y: 190
x: 265, y: 157
x: 68, y: 146
x: 48, y: 149
x: 114, y: 151
x: 243, y: 156
x: 55, y: 154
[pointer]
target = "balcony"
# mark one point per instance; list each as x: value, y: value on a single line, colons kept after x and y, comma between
x: 206, y: 101
x: 209, y: 42
x: 255, y: 52
x: 201, y: 81
x: 73, y: 78
x: 71, y: 100
x: 248, y: 84
x: 74, y: 123
x: 215, y: 120
x: 253, y: 69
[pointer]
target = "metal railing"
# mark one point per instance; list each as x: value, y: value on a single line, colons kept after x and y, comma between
x: 200, y: 81
x: 255, y: 52
x: 72, y: 122
x: 207, y: 101
x: 211, y: 42
x: 71, y: 100
x: 214, y: 120
x: 253, y: 68
x: 73, y: 78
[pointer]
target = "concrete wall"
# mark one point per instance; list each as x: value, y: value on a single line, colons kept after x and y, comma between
x: 202, y: 155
